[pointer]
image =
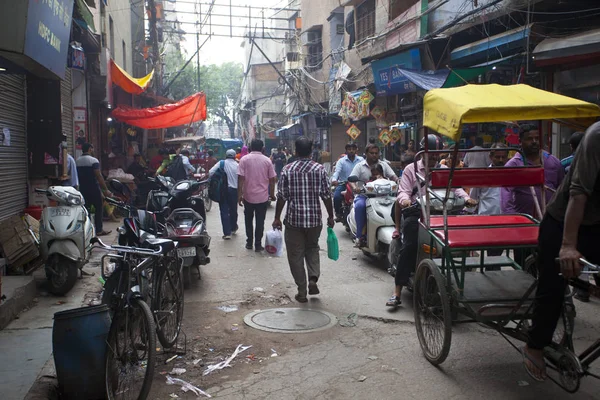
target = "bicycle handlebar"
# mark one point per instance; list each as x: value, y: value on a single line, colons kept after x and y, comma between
x: 125, y: 249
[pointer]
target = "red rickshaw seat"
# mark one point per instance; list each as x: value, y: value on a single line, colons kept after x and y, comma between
x: 463, y: 221
x: 492, y: 237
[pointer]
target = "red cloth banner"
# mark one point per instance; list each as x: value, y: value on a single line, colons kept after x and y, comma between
x: 184, y: 112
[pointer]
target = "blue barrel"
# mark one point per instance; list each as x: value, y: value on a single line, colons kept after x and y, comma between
x: 79, y: 346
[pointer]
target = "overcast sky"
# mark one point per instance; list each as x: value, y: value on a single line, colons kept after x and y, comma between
x: 220, y: 49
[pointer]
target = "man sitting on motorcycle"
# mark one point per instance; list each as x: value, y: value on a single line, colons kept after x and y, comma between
x: 406, y: 207
x: 363, y: 172
x: 343, y: 168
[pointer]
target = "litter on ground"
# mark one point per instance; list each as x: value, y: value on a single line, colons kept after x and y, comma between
x: 224, y: 364
x: 186, y: 386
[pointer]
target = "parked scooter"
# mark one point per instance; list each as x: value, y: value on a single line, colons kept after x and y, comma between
x: 381, y: 195
x: 65, y: 234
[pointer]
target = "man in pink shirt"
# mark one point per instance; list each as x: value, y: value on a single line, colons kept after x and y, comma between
x: 256, y: 184
x: 406, y: 258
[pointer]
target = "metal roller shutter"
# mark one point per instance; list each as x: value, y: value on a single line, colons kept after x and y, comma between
x: 66, y: 102
x: 13, y: 158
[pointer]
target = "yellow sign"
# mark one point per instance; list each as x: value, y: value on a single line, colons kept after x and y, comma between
x: 353, y: 132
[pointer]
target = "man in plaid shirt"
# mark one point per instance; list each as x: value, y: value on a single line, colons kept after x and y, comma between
x: 301, y: 185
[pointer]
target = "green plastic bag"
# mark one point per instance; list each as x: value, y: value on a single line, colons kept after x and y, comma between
x: 333, y: 249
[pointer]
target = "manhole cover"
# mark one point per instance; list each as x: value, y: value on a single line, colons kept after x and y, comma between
x: 290, y: 320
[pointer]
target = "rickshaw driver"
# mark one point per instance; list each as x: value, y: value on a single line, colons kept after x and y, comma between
x: 407, y: 196
x: 569, y: 231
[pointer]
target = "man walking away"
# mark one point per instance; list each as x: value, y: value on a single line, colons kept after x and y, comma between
x: 569, y: 231
x: 479, y: 159
x: 279, y: 160
x: 343, y: 169
x: 302, y: 183
x: 228, y: 206
x: 255, y: 173
x: 90, y: 183
x: 489, y: 198
x: 73, y: 179
x: 574, y: 141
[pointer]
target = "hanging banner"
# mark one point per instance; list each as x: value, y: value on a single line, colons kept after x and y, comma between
x: 353, y: 132
x: 132, y: 85
x: 184, y: 112
x: 389, y: 79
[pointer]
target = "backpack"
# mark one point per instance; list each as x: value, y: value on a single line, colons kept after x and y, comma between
x: 217, y: 185
x: 176, y: 169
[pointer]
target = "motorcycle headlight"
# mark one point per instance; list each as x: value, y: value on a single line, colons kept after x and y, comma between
x: 74, y: 200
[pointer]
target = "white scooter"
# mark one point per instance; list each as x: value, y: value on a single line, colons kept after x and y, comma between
x: 65, y: 234
x: 381, y: 195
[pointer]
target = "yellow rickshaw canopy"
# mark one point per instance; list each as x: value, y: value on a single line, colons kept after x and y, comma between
x: 445, y: 110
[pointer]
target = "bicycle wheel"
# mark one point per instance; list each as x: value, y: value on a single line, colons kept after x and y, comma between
x: 433, y: 319
x: 168, y: 307
x: 131, y: 353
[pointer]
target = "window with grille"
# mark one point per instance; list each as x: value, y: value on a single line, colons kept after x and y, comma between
x: 398, y: 7
x: 365, y: 20
x: 314, y: 42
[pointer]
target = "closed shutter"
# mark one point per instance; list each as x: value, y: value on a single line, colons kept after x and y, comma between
x: 66, y: 102
x: 13, y: 158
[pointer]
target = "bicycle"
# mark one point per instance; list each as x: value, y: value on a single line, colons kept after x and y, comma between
x: 131, y: 343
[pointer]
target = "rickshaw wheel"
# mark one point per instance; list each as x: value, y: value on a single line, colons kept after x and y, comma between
x: 569, y: 369
x: 433, y: 318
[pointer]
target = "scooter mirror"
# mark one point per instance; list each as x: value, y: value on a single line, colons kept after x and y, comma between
x: 353, y: 179
x: 116, y: 186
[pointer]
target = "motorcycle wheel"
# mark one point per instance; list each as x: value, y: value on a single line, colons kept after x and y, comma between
x: 61, y: 282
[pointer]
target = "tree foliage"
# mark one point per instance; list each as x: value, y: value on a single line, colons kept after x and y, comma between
x: 221, y: 83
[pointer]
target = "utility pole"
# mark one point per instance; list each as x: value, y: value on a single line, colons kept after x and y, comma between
x: 155, y: 51
x: 198, y: 58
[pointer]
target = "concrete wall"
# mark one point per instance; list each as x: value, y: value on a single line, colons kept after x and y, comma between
x: 120, y: 12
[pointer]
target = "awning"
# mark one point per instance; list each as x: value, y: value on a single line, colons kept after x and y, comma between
x: 121, y: 78
x: 446, y: 110
x: 443, y: 78
x: 184, y: 112
x: 568, y: 49
x: 492, y: 48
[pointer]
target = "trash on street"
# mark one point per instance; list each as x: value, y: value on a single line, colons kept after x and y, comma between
x: 223, y: 364
x: 187, y: 387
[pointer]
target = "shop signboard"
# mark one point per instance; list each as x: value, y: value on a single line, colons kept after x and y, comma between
x: 47, y: 33
x: 389, y: 80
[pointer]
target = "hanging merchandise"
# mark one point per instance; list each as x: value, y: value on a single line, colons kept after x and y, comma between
x: 384, y: 136
x: 364, y: 100
x: 395, y: 134
x: 379, y: 114
x: 353, y: 132
x: 352, y: 107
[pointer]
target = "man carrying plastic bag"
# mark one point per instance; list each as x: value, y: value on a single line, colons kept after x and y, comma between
x: 301, y: 185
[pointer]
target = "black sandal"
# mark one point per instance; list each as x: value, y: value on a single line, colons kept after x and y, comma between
x: 394, y: 301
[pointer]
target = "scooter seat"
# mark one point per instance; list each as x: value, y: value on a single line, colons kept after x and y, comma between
x: 162, y: 245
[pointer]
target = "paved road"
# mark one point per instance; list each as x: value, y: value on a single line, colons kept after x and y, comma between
x: 382, y: 349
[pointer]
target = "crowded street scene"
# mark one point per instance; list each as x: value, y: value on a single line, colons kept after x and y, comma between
x: 299, y: 199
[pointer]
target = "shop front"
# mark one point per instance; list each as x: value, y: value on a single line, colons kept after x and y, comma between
x: 35, y: 112
x: 572, y: 62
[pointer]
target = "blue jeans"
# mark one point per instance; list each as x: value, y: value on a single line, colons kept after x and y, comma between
x: 229, y: 212
x: 338, y: 198
x: 360, y: 214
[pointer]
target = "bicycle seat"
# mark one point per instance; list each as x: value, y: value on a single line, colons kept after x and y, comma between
x: 164, y: 245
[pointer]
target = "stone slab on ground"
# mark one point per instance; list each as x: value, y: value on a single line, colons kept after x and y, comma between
x: 20, y: 292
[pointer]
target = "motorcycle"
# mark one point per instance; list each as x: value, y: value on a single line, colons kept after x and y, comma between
x: 65, y: 234
x: 347, y: 203
x: 185, y: 222
x: 381, y: 195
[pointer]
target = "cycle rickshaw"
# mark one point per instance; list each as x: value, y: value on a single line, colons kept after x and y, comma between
x: 452, y: 286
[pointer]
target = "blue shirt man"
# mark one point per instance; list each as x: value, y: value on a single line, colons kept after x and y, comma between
x: 73, y: 179
x: 343, y: 169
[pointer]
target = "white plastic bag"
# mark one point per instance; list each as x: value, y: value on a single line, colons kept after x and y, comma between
x: 274, y: 243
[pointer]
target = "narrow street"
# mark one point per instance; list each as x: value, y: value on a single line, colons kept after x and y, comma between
x: 378, y: 358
